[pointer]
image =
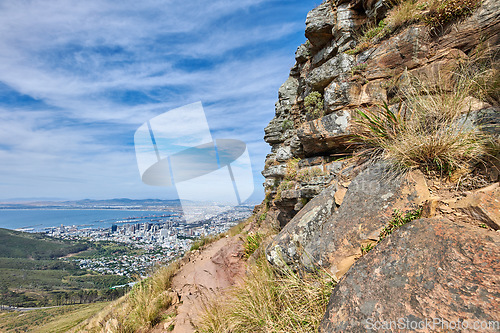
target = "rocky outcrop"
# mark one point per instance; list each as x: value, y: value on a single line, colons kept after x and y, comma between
x: 442, y: 266
x: 429, y: 270
x: 319, y: 24
x: 287, y: 247
x: 328, y: 134
x: 318, y: 236
x: 347, y: 81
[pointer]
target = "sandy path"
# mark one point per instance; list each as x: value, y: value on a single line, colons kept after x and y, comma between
x: 202, y: 275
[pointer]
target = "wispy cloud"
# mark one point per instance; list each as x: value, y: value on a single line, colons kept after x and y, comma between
x: 93, y: 71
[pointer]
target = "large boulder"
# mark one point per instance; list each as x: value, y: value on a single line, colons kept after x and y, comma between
x: 367, y: 207
x: 428, y: 274
x: 321, y: 76
x: 349, y: 18
x: 286, y: 247
x: 408, y: 49
x: 326, y: 134
x: 319, y: 24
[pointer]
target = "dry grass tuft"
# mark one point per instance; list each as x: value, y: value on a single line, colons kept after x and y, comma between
x: 138, y: 311
x: 271, y: 301
x: 431, y: 129
x: 402, y: 13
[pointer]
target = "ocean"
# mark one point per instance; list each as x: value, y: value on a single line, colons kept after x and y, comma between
x: 39, y: 219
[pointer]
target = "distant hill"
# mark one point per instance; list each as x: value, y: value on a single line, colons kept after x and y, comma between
x: 15, y: 244
x: 88, y: 203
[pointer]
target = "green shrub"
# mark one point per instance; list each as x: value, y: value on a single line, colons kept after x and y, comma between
x: 287, y: 124
x: 314, y: 105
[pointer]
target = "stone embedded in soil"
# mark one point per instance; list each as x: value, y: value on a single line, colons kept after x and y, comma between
x: 429, y: 268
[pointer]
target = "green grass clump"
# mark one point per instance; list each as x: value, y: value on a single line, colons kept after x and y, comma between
x: 313, y: 104
x: 202, y: 241
x: 271, y: 300
x: 283, y: 186
x: 307, y: 175
x: 398, y: 220
x: 252, y: 243
x: 367, y: 248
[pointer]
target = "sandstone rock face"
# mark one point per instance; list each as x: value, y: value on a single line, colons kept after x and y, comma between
x: 367, y: 206
x: 430, y: 268
x: 326, y: 133
x: 319, y: 24
x: 320, y: 77
x: 348, y: 81
x: 483, y: 206
x: 406, y: 50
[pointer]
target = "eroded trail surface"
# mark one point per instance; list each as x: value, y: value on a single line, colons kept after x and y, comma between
x: 204, y: 274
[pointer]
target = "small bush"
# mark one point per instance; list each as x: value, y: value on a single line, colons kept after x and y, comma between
x: 307, y: 175
x: 446, y: 11
x: 314, y: 105
x: 291, y: 169
x: 287, y: 124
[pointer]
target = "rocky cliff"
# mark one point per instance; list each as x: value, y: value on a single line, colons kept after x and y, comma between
x: 331, y: 204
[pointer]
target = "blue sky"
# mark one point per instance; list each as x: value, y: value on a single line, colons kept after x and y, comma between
x: 77, y: 78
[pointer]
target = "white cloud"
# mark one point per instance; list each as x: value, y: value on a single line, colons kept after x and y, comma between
x: 80, y: 58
